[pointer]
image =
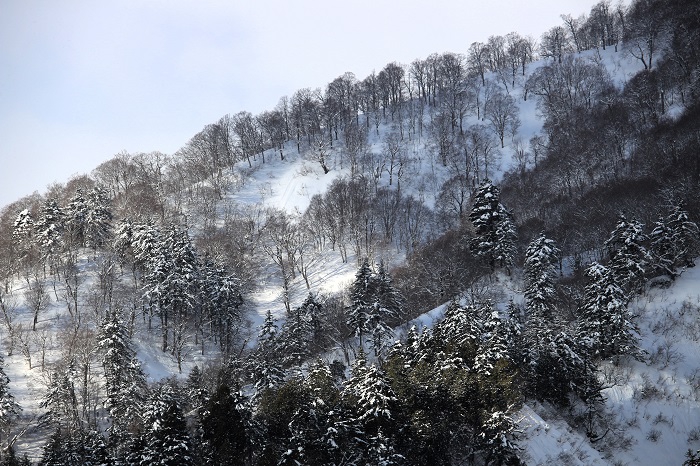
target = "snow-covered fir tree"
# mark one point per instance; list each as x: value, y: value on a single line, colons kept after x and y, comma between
x: 50, y: 228
x: 166, y: 441
x: 384, y: 311
x: 606, y: 325
x: 497, y: 435
x: 9, y: 409
x: 376, y: 407
x: 540, y: 274
x: 76, y: 218
x: 685, y: 237
x: 495, y: 234
x: 295, y: 337
x: 224, y: 434
x: 23, y: 237
x: 220, y: 303
x: 60, y: 401
x: 125, y: 382
x: 675, y: 242
x: 494, y: 350
x: 98, y: 218
x: 266, y: 364
x: 628, y: 255
x: 361, y: 300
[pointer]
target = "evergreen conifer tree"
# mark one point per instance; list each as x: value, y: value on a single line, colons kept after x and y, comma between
x: 50, y: 230
x: 125, y: 382
x: 685, y: 236
x: 606, y: 324
x: 166, y: 440
x: 98, y: 218
x: 628, y: 255
x: 223, y: 428
x: 675, y: 241
x: 23, y: 237
x: 362, y: 298
x: 267, y: 361
x: 76, y: 218
x: 9, y: 409
x: 495, y: 234
x: 540, y: 294
x: 375, y: 403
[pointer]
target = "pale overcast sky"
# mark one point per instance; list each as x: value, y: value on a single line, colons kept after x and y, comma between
x: 83, y: 80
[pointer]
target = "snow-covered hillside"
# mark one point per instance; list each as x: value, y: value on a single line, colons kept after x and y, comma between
x: 652, y: 406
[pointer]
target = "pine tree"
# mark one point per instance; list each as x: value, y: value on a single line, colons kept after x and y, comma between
x: 628, y: 256
x: 76, y: 448
x: 223, y: 428
x: 375, y: 402
x: 171, y: 284
x: 266, y: 364
x: 495, y: 234
x: 60, y: 401
x: 686, y: 237
x: 76, y: 218
x: 55, y: 453
x: 540, y: 273
x: 196, y: 393
x: 23, y: 236
x: 385, y: 310
x: 494, y: 347
x: 506, y: 237
x: 50, y: 230
x: 125, y: 382
x: 98, y: 218
x: 362, y: 298
x: 166, y: 441
x: 662, y: 248
x: 9, y: 409
x: 219, y: 302
x: 319, y: 430
x: 554, y: 364
x: 606, y: 324
x: 675, y: 241
x: 10, y: 458
x: 319, y: 327
x: 295, y: 338
x: 497, y: 438
x: 146, y: 243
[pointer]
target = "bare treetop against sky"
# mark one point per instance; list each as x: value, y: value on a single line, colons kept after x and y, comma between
x: 81, y: 80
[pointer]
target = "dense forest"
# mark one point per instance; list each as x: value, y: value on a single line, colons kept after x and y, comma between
x: 533, y: 249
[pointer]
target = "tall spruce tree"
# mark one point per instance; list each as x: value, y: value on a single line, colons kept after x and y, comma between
x: 685, y: 235
x: 376, y: 408
x: 9, y: 409
x: 495, y: 234
x: 98, y: 218
x: 266, y: 363
x: 362, y: 297
x: 50, y: 231
x: 166, y: 440
x: 605, y: 323
x: 540, y: 273
x: 125, y: 382
x: 628, y: 255
x: 385, y: 310
x: 675, y: 242
x: 223, y: 428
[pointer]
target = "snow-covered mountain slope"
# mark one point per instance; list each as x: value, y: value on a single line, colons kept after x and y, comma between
x: 655, y: 404
x: 652, y: 406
